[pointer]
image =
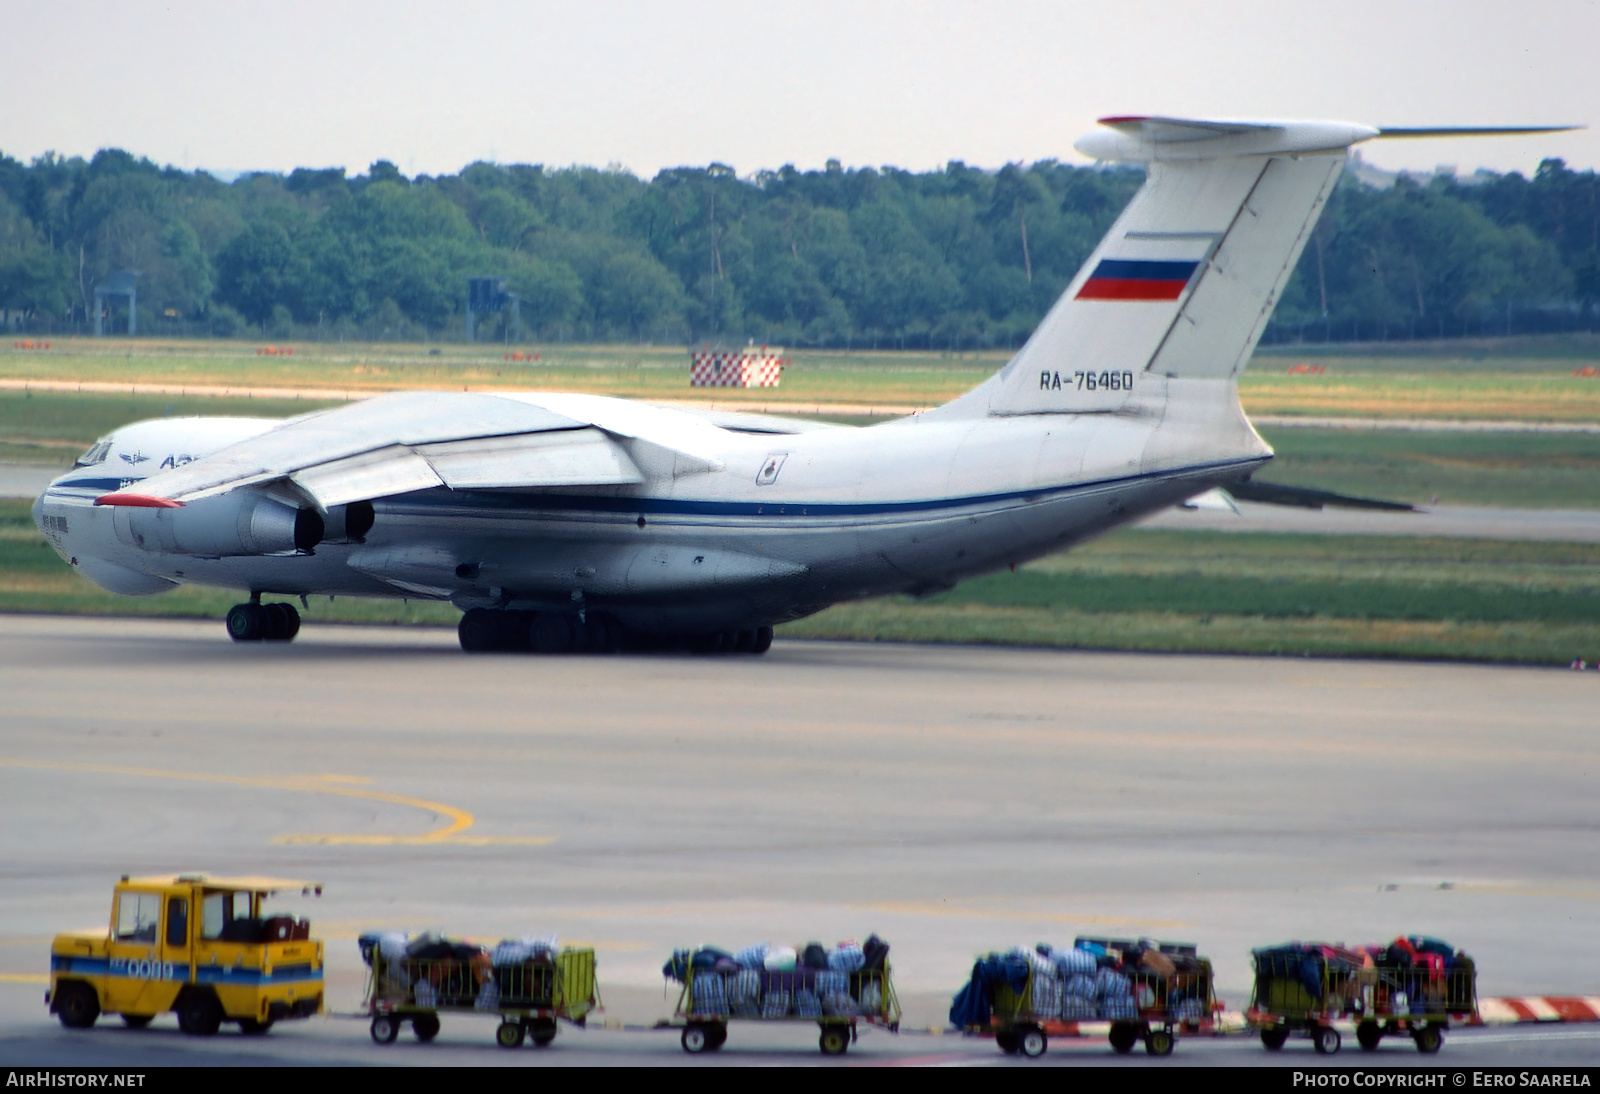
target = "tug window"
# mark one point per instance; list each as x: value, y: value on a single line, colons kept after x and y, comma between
x: 136, y: 916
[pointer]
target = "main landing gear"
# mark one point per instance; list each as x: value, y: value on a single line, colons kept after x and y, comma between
x: 255, y: 621
x: 486, y: 629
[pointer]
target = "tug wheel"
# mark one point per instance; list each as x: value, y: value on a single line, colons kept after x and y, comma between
x: 77, y: 1006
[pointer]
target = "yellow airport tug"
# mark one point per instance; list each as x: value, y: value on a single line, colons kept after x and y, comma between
x: 201, y: 946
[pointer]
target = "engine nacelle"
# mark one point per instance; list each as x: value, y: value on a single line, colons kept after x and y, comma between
x: 237, y: 523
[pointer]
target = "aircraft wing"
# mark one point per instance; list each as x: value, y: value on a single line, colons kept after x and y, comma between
x: 405, y: 441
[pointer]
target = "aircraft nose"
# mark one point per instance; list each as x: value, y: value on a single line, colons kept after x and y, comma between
x: 38, y: 512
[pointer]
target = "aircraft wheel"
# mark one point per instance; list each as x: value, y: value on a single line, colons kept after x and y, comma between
x: 514, y: 628
x: 280, y: 622
x: 77, y: 1005
x: 550, y: 632
x: 763, y: 641
x: 479, y: 630
x: 246, y: 623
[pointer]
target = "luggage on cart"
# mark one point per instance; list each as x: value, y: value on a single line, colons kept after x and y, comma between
x: 838, y: 989
x: 1414, y: 985
x: 527, y: 983
x: 1149, y: 991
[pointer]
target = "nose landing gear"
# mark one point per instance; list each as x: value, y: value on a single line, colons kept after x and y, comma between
x: 255, y: 622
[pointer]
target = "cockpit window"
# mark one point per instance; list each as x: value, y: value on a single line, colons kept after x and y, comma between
x: 95, y: 455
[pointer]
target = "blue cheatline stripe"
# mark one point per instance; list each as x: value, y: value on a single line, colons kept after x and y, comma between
x: 205, y: 974
x: 1141, y: 269
x: 691, y: 507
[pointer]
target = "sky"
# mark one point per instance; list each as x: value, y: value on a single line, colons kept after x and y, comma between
x: 234, y: 85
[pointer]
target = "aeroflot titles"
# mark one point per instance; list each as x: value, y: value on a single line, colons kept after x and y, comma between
x: 1086, y: 381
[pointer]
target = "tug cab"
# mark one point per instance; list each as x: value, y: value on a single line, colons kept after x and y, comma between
x: 204, y: 947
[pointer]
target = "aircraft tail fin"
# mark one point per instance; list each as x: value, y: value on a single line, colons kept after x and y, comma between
x: 1182, y: 285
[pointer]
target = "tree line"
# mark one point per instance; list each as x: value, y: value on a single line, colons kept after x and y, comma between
x: 958, y: 258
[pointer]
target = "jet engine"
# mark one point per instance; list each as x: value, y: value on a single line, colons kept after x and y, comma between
x: 241, y: 522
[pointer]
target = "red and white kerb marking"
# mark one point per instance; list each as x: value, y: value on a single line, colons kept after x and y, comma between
x: 742, y: 368
x: 1513, y: 1009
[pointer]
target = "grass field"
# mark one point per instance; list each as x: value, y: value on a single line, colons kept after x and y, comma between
x: 1515, y: 381
x: 1136, y: 589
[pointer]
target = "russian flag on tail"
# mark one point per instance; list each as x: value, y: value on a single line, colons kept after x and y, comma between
x: 1137, y: 279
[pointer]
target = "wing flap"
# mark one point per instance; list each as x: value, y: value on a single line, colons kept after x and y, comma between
x: 569, y: 457
x: 393, y: 470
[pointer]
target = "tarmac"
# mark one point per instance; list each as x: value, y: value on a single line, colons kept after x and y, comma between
x: 952, y: 800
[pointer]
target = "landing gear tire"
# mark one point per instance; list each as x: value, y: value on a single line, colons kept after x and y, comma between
x: 425, y: 1026
x: 1429, y: 1039
x: 77, y: 1006
x: 1159, y: 1042
x: 1369, y: 1035
x: 835, y: 1040
x: 199, y: 1013
x: 280, y: 622
x: 551, y: 632
x: 1325, y: 1039
x: 479, y: 630
x: 384, y: 1029
x: 1274, y: 1037
x: 246, y: 623
x: 763, y: 640
x: 1032, y: 1042
x: 510, y: 1034
x: 1123, y: 1036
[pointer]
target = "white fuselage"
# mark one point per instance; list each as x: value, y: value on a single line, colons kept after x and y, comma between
x: 792, y: 522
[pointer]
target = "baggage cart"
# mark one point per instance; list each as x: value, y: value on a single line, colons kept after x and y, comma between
x: 1162, y: 1003
x: 1306, y: 992
x: 527, y: 997
x: 839, y: 1002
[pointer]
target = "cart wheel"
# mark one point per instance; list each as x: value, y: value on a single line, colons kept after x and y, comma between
x: 1369, y: 1035
x: 510, y: 1034
x: 1429, y: 1039
x: 1007, y: 1041
x: 1159, y: 1042
x: 834, y: 1040
x: 1274, y: 1037
x: 385, y: 1029
x: 1123, y: 1036
x: 543, y: 1031
x: 716, y: 1036
x: 694, y: 1039
x: 1032, y: 1042
x: 425, y: 1026
x: 1325, y: 1039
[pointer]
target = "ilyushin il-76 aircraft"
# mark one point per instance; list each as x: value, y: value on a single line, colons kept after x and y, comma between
x: 568, y: 522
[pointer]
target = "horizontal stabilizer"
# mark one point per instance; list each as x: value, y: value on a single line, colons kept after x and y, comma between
x: 1473, y: 130
x: 1303, y: 497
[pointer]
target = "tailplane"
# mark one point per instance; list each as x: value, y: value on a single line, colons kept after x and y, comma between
x: 1182, y: 286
